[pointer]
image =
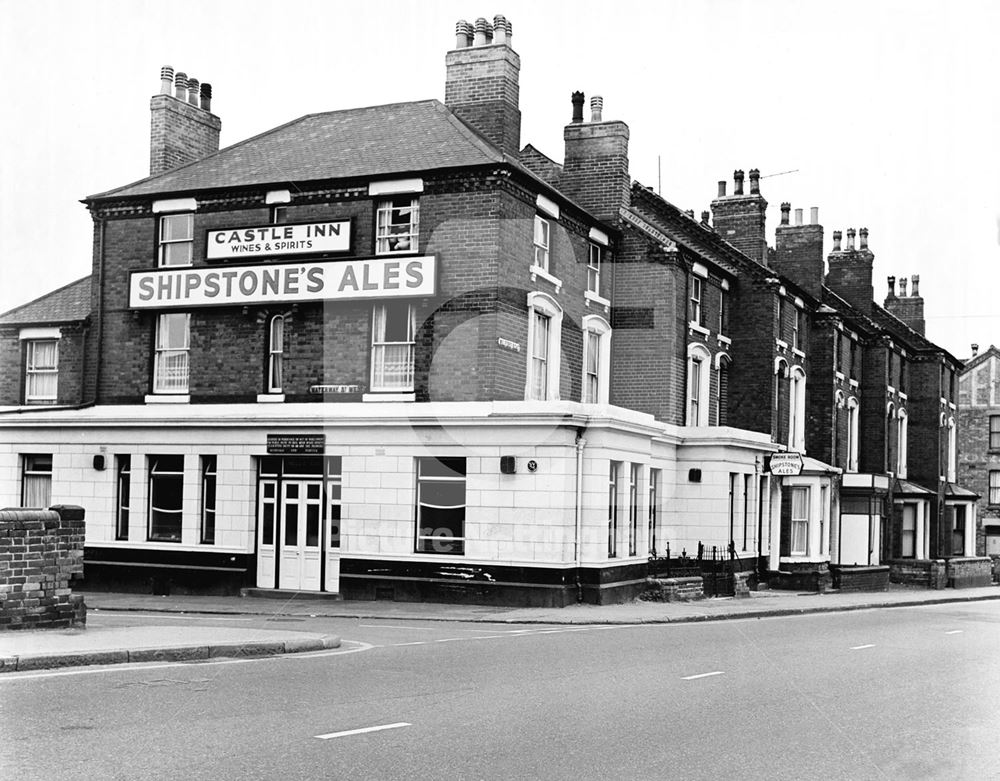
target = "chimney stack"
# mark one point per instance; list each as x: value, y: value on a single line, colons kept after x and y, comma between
x: 798, y: 252
x: 909, y: 308
x: 740, y: 218
x: 182, y: 127
x: 705, y: 217
x: 975, y: 349
x: 577, y: 99
x: 595, y: 162
x: 850, y: 274
x: 481, y: 83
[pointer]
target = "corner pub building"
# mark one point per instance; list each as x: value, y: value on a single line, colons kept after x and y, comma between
x: 388, y: 352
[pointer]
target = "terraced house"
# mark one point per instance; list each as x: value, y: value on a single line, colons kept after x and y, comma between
x: 391, y: 352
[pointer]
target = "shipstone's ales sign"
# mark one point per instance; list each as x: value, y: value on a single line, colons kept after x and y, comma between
x: 271, y: 240
x: 324, y: 280
x: 296, y: 444
x: 785, y: 464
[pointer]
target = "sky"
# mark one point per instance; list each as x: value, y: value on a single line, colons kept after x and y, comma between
x: 883, y: 114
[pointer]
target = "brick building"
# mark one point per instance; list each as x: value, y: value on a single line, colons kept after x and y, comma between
x: 979, y: 442
x: 390, y: 352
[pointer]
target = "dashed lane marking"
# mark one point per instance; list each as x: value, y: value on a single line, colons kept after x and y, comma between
x: 702, y: 675
x: 862, y: 647
x: 158, y: 616
x: 363, y: 730
x: 955, y: 632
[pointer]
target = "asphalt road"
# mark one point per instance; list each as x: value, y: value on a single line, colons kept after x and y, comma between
x: 902, y: 694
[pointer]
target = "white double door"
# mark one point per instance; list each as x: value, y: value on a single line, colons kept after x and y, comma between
x: 290, y: 534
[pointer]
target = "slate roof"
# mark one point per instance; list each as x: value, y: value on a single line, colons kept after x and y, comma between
x: 68, y: 303
x: 363, y: 142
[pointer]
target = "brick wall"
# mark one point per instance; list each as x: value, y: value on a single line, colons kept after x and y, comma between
x: 751, y: 384
x: 71, y: 364
x: 930, y: 573
x: 482, y: 88
x: 595, y: 168
x: 799, y: 256
x: 41, y: 551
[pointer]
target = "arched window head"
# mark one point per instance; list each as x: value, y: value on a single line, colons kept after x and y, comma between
x: 699, y: 374
x: 276, y: 350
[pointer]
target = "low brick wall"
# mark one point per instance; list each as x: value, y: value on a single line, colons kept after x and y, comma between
x: 860, y: 578
x: 801, y: 576
x: 40, y: 552
x: 970, y: 572
x: 929, y: 573
x: 673, y: 589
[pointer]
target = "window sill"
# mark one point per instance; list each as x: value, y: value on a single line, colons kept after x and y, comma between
x: 165, y: 398
x: 589, y: 296
x: 693, y: 327
x: 376, y: 397
x: 840, y: 376
x: 273, y: 398
x: 538, y: 271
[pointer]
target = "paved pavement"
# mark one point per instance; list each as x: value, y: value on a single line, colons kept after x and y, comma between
x: 39, y: 649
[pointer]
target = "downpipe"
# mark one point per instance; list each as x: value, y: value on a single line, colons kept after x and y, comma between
x: 581, y: 443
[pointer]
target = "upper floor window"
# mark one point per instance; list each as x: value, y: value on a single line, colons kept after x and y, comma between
x: 836, y: 351
x: 797, y: 410
x: 397, y: 225
x: 276, y: 351
x: 542, y: 236
x: 723, y: 312
x: 902, y: 436
x: 36, y: 480
x: 594, y: 268
x: 596, y: 359
x: 855, y: 361
x: 393, y: 328
x: 994, y: 432
x: 852, y: 435
x: 279, y: 215
x: 173, y: 341
x: 994, y: 486
x: 722, y: 392
x: 41, y: 373
x: 952, y: 451
x: 694, y: 303
x: 176, y: 239
x: 779, y: 317
x: 796, y: 343
x: 699, y: 367
x: 544, y: 338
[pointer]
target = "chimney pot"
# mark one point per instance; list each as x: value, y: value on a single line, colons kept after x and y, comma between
x: 738, y: 183
x: 786, y: 207
x: 902, y: 287
x: 863, y: 234
x: 192, y: 96
x: 180, y: 85
x: 705, y: 217
x: 814, y: 215
x: 577, y: 99
x: 836, y: 241
x: 166, y: 80
x: 206, y: 96
x: 482, y: 32
x: 850, y: 239
x: 798, y: 217
x: 596, y: 107
x: 463, y: 31
x: 754, y: 181
x: 690, y: 213
x: 916, y: 281
x: 500, y: 29
x: 722, y: 188
x: 975, y: 349
x: 892, y: 286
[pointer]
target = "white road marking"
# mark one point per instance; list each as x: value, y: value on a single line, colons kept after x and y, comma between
x: 955, y: 632
x: 363, y: 730
x: 424, y: 628
x: 862, y: 647
x: 147, y: 616
x: 702, y: 675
